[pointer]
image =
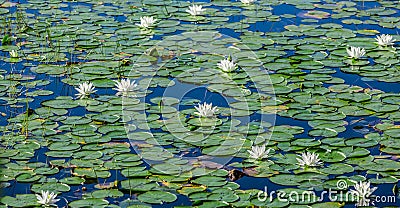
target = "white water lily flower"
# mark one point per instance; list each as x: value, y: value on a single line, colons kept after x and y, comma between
x: 206, y: 110
x: 385, y: 40
x: 258, y: 152
x: 124, y: 86
x: 362, y: 192
x: 309, y: 159
x: 195, y: 10
x: 146, y: 22
x: 363, y: 202
x: 14, y: 54
x: 47, y: 198
x: 226, y: 65
x: 355, y: 52
x: 85, y: 89
x: 363, y: 189
x: 247, y: 1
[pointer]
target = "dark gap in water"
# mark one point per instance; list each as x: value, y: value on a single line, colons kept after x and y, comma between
x: 229, y: 32
x: 364, y: 5
x: 285, y: 9
x: 236, y: 18
x: 357, y: 123
x: 355, y: 79
x: 205, y: 96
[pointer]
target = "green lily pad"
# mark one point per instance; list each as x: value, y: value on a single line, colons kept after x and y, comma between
x: 89, y: 202
x: 157, y: 197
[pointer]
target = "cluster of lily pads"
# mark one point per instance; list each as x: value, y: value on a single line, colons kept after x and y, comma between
x: 126, y: 87
x: 76, y: 151
x: 194, y: 10
x: 382, y: 40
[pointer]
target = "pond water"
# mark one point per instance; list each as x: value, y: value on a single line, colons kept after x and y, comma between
x: 298, y: 117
